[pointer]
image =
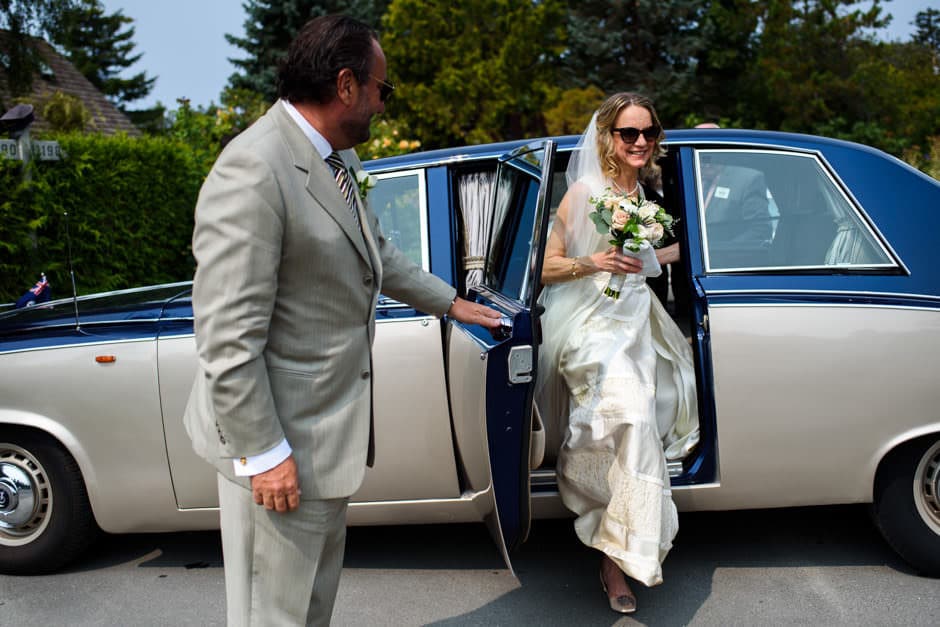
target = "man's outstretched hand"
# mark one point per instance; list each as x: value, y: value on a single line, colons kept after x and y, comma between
x: 469, y: 312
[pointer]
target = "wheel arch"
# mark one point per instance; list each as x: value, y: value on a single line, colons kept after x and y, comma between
x: 904, y: 507
x: 28, y: 422
x: 884, y: 453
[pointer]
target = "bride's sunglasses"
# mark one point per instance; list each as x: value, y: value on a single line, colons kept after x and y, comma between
x: 629, y: 134
x: 385, y: 88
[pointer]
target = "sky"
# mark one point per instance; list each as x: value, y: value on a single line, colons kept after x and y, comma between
x: 183, y: 43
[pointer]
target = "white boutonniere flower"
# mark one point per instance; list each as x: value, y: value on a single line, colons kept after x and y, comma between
x: 365, y: 181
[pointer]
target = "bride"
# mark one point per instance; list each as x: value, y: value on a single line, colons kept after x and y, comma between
x: 616, y: 374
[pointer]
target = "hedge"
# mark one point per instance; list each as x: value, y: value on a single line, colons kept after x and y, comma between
x: 130, y: 215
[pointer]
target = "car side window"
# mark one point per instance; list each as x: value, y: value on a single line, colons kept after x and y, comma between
x: 766, y: 210
x: 400, y: 201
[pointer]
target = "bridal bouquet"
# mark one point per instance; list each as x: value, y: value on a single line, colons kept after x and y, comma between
x: 637, y: 226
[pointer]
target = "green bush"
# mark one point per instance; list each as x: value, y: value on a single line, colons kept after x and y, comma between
x: 130, y: 214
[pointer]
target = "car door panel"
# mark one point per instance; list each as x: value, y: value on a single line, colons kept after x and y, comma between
x: 194, y: 479
x: 789, y: 392
x: 491, y: 374
x: 414, y: 451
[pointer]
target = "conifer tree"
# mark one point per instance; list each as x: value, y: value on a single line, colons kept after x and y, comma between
x: 22, y: 20
x: 100, y: 46
x: 649, y: 46
x: 270, y: 27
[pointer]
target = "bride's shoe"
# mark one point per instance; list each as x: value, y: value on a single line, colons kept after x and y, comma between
x: 623, y: 604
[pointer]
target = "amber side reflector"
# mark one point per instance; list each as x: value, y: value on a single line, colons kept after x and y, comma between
x: 106, y: 359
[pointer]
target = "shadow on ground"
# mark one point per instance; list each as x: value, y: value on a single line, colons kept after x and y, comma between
x: 558, y: 580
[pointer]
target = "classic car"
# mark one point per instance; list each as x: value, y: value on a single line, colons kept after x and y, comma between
x: 815, y: 326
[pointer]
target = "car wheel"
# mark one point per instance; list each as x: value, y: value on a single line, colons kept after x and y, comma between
x: 907, y: 502
x: 45, y: 517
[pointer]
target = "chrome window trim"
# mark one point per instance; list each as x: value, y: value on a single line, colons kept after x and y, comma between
x: 132, y: 290
x: 822, y: 305
x: 833, y: 178
x: 743, y: 143
x: 407, y: 319
x: 464, y: 159
x: 90, y: 342
x: 422, y: 208
x: 928, y: 297
x: 455, y: 159
x: 110, y: 323
x: 66, y: 300
x: 435, y: 164
x: 386, y: 302
x: 798, y: 269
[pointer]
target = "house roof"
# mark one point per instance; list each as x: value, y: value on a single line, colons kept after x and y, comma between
x: 61, y: 75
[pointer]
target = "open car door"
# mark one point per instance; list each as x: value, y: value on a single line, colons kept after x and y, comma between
x: 492, y: 374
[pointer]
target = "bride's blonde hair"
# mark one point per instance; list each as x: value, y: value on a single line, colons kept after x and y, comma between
x: 606, y: 118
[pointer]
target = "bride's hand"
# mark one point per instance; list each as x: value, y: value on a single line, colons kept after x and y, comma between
x: 614, y: 261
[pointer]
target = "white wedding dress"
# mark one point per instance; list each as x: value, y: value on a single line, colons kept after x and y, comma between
x: 618, y: 378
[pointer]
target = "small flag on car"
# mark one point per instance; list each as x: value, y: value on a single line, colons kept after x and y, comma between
x: 39, y: 293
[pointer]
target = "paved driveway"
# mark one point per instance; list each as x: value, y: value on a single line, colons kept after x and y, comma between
x: 820, y: 566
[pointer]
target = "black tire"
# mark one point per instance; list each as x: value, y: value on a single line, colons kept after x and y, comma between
x: 907, y: 503
x: 47, y: 520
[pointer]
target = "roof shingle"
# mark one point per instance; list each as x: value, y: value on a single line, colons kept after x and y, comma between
x: 105, y: 117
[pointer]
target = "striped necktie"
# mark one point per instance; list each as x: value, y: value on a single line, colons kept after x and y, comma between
x: 344, y: 181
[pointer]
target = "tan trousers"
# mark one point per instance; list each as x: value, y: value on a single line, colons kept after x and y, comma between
x: 280, y: 569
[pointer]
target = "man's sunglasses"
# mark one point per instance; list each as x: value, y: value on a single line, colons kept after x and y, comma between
x: 385, y: 88
x: 629, y: 134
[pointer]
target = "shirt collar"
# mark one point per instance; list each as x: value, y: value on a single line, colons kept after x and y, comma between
x: 318, y: 140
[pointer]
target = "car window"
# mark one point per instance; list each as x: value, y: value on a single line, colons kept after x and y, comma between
x: 559, y: 182
x: 515, y: 217
x: 763, y: 210
x: 400, y: 201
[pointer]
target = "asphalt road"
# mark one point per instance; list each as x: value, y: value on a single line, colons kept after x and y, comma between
x: 815, y: 566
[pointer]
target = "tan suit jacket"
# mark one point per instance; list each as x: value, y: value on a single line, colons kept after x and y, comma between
x: 284, y: 299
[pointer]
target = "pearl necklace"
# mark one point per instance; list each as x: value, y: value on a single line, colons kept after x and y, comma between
x: 635, y: 189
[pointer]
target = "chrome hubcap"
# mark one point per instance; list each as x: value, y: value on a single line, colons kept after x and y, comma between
x: 25, y: 496
x: 927, y: 487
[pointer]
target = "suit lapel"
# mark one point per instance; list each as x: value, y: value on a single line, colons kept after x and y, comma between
x: 319, y: 183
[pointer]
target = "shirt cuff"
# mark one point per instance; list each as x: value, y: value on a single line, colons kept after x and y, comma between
x: 257, y: 464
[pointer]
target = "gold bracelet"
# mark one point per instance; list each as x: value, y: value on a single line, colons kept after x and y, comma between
x: 574, y: 267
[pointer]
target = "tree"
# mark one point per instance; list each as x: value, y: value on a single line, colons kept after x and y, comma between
x: 721, y: 69
x: 648, y: 46
x: 928, y: 34
x: 23, y: 20
x: 100, y: 46
x: 803, y: 74
x: 270, y: 27
x: 928, y: 29
x: 572, y: 110
x: 472, y: 72
x: 95, y: 42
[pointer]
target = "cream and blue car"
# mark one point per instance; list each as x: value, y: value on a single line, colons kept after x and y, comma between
x: 813, y: 312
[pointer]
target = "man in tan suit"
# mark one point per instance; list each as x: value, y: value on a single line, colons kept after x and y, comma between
x: 291, y: 261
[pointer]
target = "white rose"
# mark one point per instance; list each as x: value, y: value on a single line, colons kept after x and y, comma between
x: 365, y: 179
x: 648, y: 211
x: 656, y: 232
